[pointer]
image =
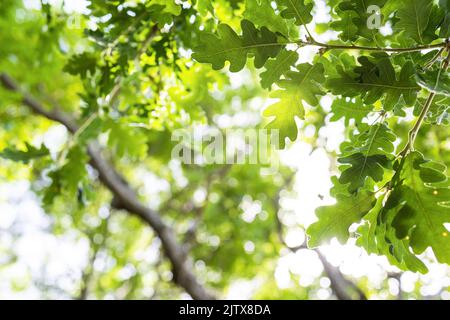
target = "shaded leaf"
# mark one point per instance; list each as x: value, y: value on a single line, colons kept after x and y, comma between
x: 445, y: 26
x: 354, y: 17
x: 81, y: 64
x: 427, y: 207
x: 228, y: 46
x: 413, y: 18
x: 374, y: 80
x: 367, y: 157
x: 435, y: 81
x: 24, y: 156
x: 377, y: 236
x: 361, y: 168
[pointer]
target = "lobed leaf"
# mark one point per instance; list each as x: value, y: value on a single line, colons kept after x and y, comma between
x: 24, y: 156
x: 296, y: 9
x: 276, y: 68
x: 335, y: 220
x: 301, y: 85
x: 228, y: 46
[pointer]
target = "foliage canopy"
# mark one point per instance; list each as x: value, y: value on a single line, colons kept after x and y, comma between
x: 129, y: 73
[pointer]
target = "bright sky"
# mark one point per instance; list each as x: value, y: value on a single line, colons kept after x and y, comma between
x: 69, y: 5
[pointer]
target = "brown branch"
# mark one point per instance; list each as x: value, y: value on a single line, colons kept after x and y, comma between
x: 341, y: 286
x: 126, y: 196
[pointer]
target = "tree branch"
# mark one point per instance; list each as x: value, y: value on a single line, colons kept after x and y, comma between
x: 110, y: 178
x: 327, y: 46
x: 341, y: 286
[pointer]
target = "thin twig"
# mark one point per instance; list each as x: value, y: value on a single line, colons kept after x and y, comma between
x: 327, y: 46
x: 426, y: 108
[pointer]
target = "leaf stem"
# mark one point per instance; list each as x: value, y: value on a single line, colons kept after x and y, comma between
x: 434, y: 59
x: 426, y: 108
x: 327, y: 46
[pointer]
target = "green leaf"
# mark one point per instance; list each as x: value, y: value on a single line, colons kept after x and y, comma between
x: 261, y: 13
x: 349, y: 109
x: 170, y: 6
x: 284, y: 112
x: 69, y: 177
x: 24, y: 156
x: 306, y: 82
x: 378, y: 139
x: 204, y: 7
x: 361, y: 168
x: 126, y: 140
x: 367, y: 157
x: 354, y: 16
x: 427, y: 207
x: 299, y: 86
x: 413, y: 18
x: 438, y: 113
x: 435, y: 81
x: 377, y: 236
x: 296, y: 9
x: 349, y: 31
x: 228, y: 46
x: 81, y: 64
x: 276, y: 68
x: 335, y: 220
x: 445, y: 26
x: 375, y: 79
x: 436, y: 19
